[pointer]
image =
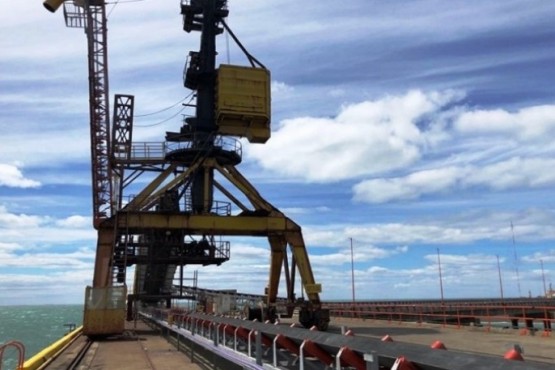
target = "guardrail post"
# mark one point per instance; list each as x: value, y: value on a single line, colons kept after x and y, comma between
x: 177, y: 336
x: 235, y: 339
x: 249, y: 345
x: 372, y: 360
x: 258, y: 347
x: 301, y: 353
x: 274, y: 348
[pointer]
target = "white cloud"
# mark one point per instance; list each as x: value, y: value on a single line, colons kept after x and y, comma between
x: 465, y: 228
x: 280, y: 88
x: 11, y: 176
x: 362, y: 253
x: 22, y: 221
x: 75, y: 222
x: 42, y: 230
x: 531, y: 123
x: 510, y: 174
x: 364, y: 139
x: 82, y: 258
x: 547, y: 256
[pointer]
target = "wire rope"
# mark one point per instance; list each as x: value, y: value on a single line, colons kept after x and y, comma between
x: 164, y: 109
x: 185, y: 106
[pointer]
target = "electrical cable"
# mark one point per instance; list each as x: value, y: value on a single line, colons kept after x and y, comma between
x: 164, y: 109
x: 163, y: 121
x: 185, y: 106
x: 111, y: 10
x: 118, y: 2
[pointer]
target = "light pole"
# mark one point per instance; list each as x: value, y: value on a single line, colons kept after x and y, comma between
x: 500, y: 280
x: 543, y: 278
x: 352, y: 270
x: 440, y: 277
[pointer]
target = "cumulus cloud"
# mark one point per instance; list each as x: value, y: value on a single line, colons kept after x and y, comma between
x: 510, y: 174
x: 465, y: 228
x: 280, y: 88
x: 75, y: 221
x: 11, y: 176
x: 82, y: 258
x: 18, y: 221
x: 366, y: 138
x: 363, y: 253
x: 430, y: 141
x: 32, y: 229
x: 547, y: 256
x: 530, y: 123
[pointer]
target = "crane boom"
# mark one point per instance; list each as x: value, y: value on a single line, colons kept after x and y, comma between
x: 91, y: 15
x: 96, y: 31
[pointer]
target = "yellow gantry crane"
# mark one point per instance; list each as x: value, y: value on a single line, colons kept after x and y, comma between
x: 176, y: 220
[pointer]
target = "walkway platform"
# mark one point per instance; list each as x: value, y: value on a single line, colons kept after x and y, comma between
x: 140, y: 348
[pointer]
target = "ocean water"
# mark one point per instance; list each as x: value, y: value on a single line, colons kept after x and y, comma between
x: 36, y: 327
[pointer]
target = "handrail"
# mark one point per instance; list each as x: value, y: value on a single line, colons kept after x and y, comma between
x: 20, y: 347
x: 51, y: 351
x: 453, y: 314
x: 324, y: 346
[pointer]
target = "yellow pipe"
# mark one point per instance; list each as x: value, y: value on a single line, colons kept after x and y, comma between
x: 51, y: 351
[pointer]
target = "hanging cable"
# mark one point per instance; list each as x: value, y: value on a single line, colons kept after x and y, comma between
x: 111, y: 10
x: 119, y: 2
x: 185, y: 106
x: 227, y: 47
x: 165, y: 109
x: 163, y: 121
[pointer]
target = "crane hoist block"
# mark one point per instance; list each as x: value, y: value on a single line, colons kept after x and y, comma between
x: 243, y: 102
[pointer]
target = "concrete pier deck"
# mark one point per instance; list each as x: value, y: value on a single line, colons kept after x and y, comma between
x: 140, y: 348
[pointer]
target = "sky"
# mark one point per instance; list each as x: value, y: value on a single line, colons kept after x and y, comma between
x: 417, y: 131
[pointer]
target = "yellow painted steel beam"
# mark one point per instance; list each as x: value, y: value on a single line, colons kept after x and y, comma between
x: 295, y: 240
x: 207, y: 224
x: 181, y: 178
x: 243, y: 185
x: 230, y: 196
x: 138, y: 201
x: 278, y: 245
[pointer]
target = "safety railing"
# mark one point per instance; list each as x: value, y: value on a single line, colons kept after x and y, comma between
x: 255, y: 345
x: 148, y: 150
x: 528, y: 318
x: 155, y: 151
x: 18, y: 346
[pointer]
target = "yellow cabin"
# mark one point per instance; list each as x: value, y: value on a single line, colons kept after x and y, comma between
x: 243, y: 102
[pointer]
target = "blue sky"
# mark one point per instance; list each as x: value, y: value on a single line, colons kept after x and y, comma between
x: 408, y: 126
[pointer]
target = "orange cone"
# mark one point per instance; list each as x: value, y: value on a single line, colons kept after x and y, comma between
x: 438, y: 345
x: 513, y: 355
x: 403, y: 364
x: 387, y: 338
x: 349, y: 333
